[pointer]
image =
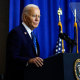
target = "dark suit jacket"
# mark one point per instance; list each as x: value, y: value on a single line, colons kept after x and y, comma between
x: 20, y: 49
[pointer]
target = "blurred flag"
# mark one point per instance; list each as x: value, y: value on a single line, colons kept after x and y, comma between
x: 60, y: 42
x: 59, y: 46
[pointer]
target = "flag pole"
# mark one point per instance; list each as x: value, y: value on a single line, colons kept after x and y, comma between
x: 60, y: 25
x: 75, y: 25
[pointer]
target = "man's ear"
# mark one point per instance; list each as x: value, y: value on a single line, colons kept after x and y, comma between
x: 24, y: 17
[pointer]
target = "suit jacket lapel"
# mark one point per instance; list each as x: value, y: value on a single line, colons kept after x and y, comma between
x: 29, y: 39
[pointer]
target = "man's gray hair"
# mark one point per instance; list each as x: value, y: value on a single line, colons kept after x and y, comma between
x: 32, y: 5
x: 26, y: 8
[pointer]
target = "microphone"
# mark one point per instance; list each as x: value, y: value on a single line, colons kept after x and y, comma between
x: 65, y: 37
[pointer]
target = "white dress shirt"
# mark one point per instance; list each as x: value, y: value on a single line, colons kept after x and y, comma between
x: 28, y: 29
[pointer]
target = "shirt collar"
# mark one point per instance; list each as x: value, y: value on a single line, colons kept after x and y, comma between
x: 27, y: 28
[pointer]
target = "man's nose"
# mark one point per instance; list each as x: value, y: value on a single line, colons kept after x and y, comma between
x: 37, y: 18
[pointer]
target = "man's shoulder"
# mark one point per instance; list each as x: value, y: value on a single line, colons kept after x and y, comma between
x: 14, y: 34
x: 16, y: 29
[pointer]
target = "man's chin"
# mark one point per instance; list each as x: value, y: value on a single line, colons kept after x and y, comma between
x: 35, y: 26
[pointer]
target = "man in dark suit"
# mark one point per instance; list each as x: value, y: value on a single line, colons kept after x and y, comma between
x: 21, y: 51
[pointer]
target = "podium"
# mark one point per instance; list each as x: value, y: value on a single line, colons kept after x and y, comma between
x: 57, y: 67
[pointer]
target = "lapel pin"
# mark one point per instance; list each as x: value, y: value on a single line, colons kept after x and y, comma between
x: 25, y: 33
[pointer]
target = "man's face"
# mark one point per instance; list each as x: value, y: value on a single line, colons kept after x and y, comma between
x: 33, y: 18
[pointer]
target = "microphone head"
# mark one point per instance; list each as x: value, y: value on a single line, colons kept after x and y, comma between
x: 65, y: 37
x: 61, y: 35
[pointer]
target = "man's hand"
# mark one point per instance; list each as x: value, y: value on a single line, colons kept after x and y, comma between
x: 37, y: 61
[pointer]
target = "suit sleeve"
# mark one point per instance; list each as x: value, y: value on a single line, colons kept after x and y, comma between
x: 13, y: 48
